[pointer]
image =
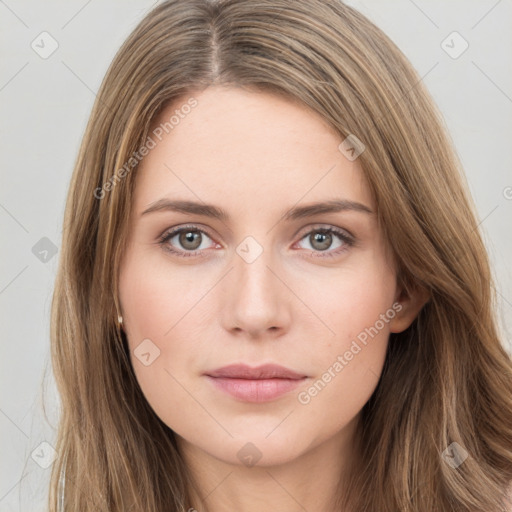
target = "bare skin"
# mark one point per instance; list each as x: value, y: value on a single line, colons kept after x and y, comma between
x: 256, y: 156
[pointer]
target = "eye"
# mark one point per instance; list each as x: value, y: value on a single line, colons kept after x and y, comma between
x: 321, y: 239
x: 188, y: 241
x: 190, y: 238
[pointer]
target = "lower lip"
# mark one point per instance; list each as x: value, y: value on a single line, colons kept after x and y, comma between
x: 261, y: 390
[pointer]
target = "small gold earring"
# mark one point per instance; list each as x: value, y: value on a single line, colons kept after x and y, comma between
x: 120, y: 319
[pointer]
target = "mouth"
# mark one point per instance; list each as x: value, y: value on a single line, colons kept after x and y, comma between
x: 260, y: 384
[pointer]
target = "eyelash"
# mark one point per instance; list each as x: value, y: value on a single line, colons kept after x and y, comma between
x: 347, y: 240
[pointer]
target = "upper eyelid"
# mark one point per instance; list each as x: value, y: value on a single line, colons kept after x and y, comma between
x: 179, y: 229
x: 326, y: 227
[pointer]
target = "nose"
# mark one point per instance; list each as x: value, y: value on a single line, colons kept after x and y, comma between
x: 256, y: 298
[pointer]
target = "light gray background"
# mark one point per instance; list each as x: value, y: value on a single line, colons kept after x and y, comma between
x: 45, y: 105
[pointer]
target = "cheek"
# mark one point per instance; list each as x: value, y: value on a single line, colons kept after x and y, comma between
x: 348, y: 302
x: 159, y: 304
x: 154, y: 297
x: 151, y: 308
x: 351, y: 342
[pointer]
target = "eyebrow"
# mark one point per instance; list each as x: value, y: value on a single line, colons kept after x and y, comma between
x: 295, y: 213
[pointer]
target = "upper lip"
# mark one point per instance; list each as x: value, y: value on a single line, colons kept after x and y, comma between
x: 266, y: 371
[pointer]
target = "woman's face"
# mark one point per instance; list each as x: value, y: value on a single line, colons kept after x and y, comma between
x: 255, y: 278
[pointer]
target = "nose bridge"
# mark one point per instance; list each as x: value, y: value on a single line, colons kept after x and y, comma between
x: 253, y: 278
x: 255, y: 297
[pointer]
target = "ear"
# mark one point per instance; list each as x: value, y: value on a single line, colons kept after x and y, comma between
x: 410, y: 301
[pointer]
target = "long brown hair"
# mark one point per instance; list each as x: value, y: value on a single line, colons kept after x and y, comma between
x: 446, y: 379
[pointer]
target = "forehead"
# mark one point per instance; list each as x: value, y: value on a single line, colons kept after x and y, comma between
x: 245, y: 148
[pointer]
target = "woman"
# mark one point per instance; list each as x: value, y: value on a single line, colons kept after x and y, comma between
x: 272, y: 290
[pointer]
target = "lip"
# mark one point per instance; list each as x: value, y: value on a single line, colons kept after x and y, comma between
x: 260, y: 384
x: 266, y: 371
